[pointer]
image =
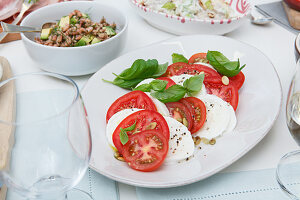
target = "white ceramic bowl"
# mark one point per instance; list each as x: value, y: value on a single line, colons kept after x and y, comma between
x: 74, y: 61
x: 186, y: 26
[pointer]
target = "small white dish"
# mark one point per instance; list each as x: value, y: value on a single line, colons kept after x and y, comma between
x: 75, y: 61
x: 187, y: 26
x: 259, y: 105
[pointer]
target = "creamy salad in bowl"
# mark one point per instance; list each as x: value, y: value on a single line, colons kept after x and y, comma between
x: 198, y: 9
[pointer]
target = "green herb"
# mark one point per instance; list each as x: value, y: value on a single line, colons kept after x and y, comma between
x: 73, y: 20
x: 126, y: 84
x: 172, y: 94
x: 223, y: 65
x: 156, y: 85
x: 179, y: 58
x: 159, y: 85
x: 209, y: 5
x: 161, y: 69
x: 139, y: 71
x: 33, y: 1
x: 123, y: 133
x: 169, y: 6
x: 109, y: 31
x: 194, y: 84
x: 144, y: 88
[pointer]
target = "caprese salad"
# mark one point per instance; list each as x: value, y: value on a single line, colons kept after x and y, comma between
x: 171, y: 109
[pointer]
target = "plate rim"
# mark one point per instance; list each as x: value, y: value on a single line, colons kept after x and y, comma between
x: 193, y: 180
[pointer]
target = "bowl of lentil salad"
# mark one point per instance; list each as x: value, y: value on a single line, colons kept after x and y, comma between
x: 85, y: 37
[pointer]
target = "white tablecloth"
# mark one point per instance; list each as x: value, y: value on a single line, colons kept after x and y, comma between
x: 274, y: 41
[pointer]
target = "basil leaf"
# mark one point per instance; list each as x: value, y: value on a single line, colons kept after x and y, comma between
x: 179, y: 58
x: 130, y: 128
x: 223, y: 65
x: 209, y: 5
x: 123, y: 136
x: 144, y: 88
x: 127, y: 84
x: 161, y: 69
x: 172, y: 94
x: 140, y: 69
x: 169, y: 6
x: 158, y: 85
x: 194, y: 84
x: 123, y: 133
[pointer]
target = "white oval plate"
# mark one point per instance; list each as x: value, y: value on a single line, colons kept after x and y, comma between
x: 259, y: 104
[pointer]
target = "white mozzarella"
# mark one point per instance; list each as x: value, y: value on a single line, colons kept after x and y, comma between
x: 218, y: 117
x: 161, y: 107
x: 232, y: 121
x: 146, y: 81
x: 115, y: 120
x: 181, y: 144
x: 181, y: 78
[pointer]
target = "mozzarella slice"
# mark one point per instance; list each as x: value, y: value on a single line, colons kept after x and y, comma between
x: 179, y: 80
x: 181, y: 144
x: 115, y: 120
x: 218, y: 117
x: 161, y: 107
x: 146, y: 81
x: 232, y: 121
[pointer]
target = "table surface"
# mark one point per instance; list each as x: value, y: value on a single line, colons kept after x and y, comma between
x: 273, y: 40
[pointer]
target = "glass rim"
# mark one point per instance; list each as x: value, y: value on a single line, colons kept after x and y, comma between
x: 279, y: 181
x: 49, y: 74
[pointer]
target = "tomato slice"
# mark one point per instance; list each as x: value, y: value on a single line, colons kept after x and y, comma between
x: 199, y: 115
x: 170, y: 81
x: 145, y: 120
x: 181, y: 113
x: 174, y: 68
x: 228, y: 93
x: 237, y: 80
x: 197, y: 69
x: 134, y: 99
x: 146, y: 151
x: 198, y: 57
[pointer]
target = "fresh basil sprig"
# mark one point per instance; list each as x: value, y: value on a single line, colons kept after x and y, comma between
x: 172, y: 94
x: 156, y: 85
x: 178, y: 58
x: 123, y: 133
x: 223, y: 65
x: 175, y: 92
x: 140, y: 70
x: 192, y: 84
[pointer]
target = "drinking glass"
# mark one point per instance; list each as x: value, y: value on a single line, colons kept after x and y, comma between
x: 50, y: 137
x: 288, y: 169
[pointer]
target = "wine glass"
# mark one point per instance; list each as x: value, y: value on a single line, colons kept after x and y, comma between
x: 50, y: 137
x: 288, y: 169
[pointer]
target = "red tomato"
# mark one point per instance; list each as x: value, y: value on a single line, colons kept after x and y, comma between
x: 181, y: 113
x: 199, y: 115
x: 170, y: 81
x: 134, y: 99
x: 238, y: 80
x: 196, y: 69
x: 229, y: 93
x: 172, y: 69
x: 144, y: 119
x: 197, y: 57
x: 145, y: 151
